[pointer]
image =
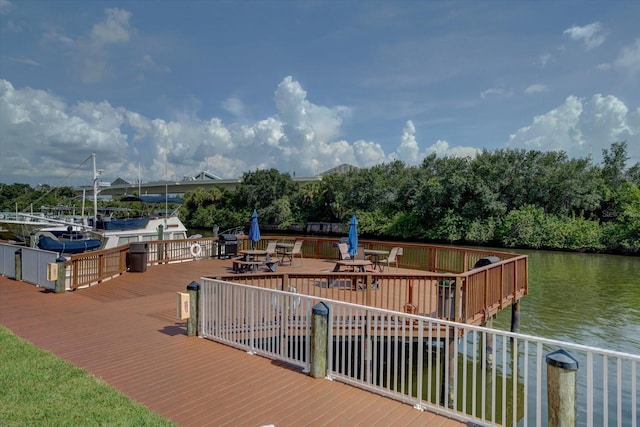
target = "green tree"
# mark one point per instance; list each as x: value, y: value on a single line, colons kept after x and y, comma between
x: 261, y: 188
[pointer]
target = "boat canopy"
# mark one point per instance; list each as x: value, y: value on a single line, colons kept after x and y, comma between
x: 152, y: 199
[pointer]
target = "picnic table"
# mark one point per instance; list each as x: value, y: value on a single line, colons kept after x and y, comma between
x: 352, y: 265
x: 249, y: 261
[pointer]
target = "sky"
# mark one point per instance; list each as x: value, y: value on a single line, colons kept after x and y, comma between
x: 163, y: 90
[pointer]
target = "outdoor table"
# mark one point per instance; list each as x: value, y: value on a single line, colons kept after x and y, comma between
x: 375, y: 255
x: 250, y: 254
x: 359, y: 264
x: 249, y: 260
x: 282, y: 248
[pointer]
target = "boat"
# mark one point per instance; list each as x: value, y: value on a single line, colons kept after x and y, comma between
x: 48, y: 242
x: 18, y: 226
x: 110, y: 226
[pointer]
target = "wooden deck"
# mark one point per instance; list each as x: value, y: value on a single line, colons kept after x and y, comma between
x: 125, y: 332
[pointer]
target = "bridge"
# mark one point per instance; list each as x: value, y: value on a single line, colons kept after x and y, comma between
x: 175, y: 187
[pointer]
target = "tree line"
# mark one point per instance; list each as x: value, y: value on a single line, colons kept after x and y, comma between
x: 507, y: 198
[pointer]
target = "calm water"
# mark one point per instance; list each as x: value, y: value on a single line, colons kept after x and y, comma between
x: 586, y: 299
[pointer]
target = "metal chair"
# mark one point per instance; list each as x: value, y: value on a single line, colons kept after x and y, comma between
x: 271, y: 247
x: 344, y: 251
x: 391, y: 259
x: 296, y: 250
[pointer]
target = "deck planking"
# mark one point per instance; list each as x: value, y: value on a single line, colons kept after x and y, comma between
x: 124, y: 331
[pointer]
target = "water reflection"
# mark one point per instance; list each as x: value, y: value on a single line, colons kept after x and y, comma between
x: 589, y: 299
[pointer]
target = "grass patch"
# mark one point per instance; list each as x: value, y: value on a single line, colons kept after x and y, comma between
x: 38, y: 388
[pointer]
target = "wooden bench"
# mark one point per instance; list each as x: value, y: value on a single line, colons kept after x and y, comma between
x: 241, y: 266
x: 357, y: 265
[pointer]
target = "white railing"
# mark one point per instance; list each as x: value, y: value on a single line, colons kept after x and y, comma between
x: 473, y: 373
x: 269, y: 322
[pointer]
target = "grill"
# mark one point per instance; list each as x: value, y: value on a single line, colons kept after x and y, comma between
x: 227, y: 245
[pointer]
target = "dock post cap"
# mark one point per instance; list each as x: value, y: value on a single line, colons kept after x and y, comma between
x: 562, y: 359
x: 321, y: 309
x: 193, y: 286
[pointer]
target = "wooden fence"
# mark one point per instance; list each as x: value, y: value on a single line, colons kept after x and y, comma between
x: 445, y: 287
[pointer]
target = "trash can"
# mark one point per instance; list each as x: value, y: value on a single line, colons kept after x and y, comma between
x: 447, y: 299
x: 138, y: 253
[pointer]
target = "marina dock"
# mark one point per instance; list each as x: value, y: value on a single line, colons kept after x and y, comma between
x: 124, y: 331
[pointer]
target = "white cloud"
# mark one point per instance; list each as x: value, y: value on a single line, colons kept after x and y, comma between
x: 545, y: 59
x: 44, y: 139
x: 580, y: 126
x: 536, y: 88
x: 629, y: 58
x: 495, y: 91
x: 5, y: 7
x: 147, y: 63
x: 442, y: 148
x: 115, y: 29
x: 301, y: 138
x: 409, y: 151
x: 57, y: 37
x: 25, y: 61
x: 234, y: 105
x: 93, y: 54
x: 590, y: 34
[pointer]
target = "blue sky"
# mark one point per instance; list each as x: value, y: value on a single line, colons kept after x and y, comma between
x: 166, y: 89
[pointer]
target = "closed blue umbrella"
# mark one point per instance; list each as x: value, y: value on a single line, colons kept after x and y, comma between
x: 254, y: 229
x: 353, y: 236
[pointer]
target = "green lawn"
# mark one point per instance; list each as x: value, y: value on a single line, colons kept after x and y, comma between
x: 38, y: 388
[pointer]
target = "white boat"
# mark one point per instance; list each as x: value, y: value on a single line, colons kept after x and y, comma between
x: 19, y: 226
x: 111, y: 230
x: 172, y: 228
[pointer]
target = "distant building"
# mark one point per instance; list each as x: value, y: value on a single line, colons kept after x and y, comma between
x: 202, y: 176
x: 343, y: 168
x: 120, y: 181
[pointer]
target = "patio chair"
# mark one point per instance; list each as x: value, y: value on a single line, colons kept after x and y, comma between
x: 344, y: 251
x: 271, y: 247
x: 391, y: 259
x: 296, y: 250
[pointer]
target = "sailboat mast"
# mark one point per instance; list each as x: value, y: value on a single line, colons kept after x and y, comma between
x: 95, y: 192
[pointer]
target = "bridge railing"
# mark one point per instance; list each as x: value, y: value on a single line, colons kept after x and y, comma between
x: 469, y: 372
